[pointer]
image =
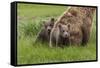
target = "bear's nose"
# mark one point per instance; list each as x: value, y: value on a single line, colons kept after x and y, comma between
x: 49, y: 29
x: 66, y: 34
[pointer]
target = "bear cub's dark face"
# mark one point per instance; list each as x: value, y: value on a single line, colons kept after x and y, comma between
x: 44, y: 34
x: 48, y: 25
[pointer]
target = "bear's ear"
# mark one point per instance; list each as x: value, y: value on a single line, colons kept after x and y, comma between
x: 44, y: 23
x: 74, y: 13
x: 59, y: 25
x: 52, y: 19
x: 69, y: 14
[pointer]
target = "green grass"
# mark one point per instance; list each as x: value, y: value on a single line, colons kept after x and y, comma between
x: 30, y: 19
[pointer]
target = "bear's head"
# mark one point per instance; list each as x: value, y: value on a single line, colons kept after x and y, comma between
x: 64, y: 30
x: 48, y: 25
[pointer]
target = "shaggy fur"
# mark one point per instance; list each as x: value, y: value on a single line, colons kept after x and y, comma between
x: 80, y: 21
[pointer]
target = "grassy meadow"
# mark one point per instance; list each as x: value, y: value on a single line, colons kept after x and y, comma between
x: 30, y: 19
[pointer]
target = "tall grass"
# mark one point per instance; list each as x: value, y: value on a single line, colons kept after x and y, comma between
x: 30, y: 20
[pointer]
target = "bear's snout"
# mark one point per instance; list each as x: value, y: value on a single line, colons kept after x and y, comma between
x: 66, y: 34
x: 49, y: 29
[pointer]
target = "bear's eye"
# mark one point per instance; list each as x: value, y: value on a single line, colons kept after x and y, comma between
x: 51, y: 25
x: 63, y: 30
x: 45, y: 26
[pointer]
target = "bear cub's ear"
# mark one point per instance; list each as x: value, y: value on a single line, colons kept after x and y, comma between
x: 52, y: 19
x: 44, y: 24
x: 59, y: 25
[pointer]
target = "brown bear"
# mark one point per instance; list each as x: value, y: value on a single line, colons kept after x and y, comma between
x: 44, y: 34
x: 86, y: 15
x: 60, y: 35
x: 64, y: 34
x: 80, y: 21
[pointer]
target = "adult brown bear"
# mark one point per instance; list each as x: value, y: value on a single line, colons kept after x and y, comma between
x: 80, y: 20
x: 86, y: 15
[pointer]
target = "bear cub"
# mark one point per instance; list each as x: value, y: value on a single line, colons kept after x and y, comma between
x: 60, y: 35
x: 44, y: 34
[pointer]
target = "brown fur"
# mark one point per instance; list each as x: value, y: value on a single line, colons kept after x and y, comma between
x: 44, y: 34
x: 60, y: 35
x: 80, y: 20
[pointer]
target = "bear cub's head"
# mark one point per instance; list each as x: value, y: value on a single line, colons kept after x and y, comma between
x: 64, y: 30
x: 48, y: 25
